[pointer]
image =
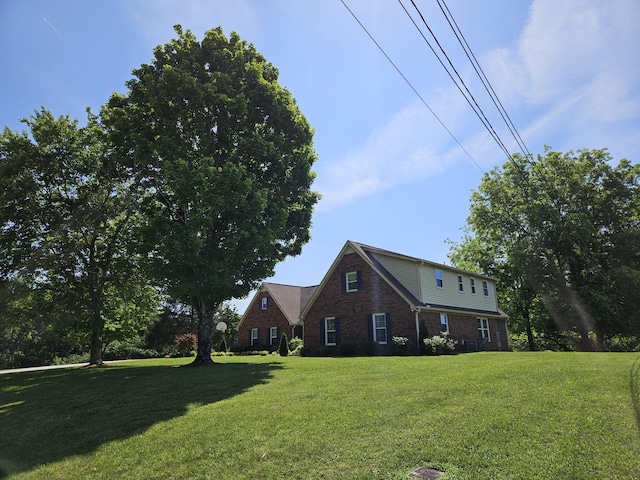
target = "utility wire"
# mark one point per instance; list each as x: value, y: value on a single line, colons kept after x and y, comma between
x: 483, y: 78
x: 468, y: 96
x: 410, y: 85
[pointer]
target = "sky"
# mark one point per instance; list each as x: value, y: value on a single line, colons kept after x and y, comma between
x: 390, y: 174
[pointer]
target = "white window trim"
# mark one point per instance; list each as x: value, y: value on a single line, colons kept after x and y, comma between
x: 460, y: 284
x: 327, y: 331
x: 485, y: 288
x: 254, y: 336
x: 439, y: 279
x: 264, y: 303
x: 273, y: 340
x: 472, y: 283
x: 446, y: 322
x: 347, y: 282
x: 484, y: 329
x: 386, y: 334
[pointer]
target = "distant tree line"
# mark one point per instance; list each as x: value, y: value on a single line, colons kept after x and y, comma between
x: 561, y: 233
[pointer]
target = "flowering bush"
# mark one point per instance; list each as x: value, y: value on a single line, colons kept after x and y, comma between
x: 440, y: 344
x: 400, y: 345
x: 186, y: 343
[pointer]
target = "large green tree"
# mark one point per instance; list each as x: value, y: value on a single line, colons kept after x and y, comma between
x: 558, y: 229
x: 226, y: 155
x: 66, y: 213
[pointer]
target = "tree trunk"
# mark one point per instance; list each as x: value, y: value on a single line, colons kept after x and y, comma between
x: 527, y: 323
x: 96, y: 340
x: 205, y: 332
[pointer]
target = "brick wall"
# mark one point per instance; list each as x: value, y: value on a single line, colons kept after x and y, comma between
x: 353, y: 309
x: 263, y: 320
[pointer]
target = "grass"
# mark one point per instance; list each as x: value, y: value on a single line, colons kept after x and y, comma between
x: 485, y: 415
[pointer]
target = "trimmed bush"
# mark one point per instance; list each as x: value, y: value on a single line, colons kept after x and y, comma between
x: 283, y: 348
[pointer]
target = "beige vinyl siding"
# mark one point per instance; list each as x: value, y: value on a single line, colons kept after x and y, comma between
x: 450, y: 294
x: 405, y: 271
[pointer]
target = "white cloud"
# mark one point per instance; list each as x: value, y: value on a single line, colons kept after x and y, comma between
x: 410, y: 146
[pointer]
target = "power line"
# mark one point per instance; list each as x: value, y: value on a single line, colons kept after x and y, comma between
x: 410, y: 84
x: 468, y: 96
x: 483, y: 78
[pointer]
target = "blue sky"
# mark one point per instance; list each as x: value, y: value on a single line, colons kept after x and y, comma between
x: 567, y: 72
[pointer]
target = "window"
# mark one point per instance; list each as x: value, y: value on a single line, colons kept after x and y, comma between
x: 264, y: 303
x: 273, y: 335
x: 351, y: 282
x: 444, y: 323
x: 460, y: 284
x: 380, y: 327
x: 439, y: 281
x: 485, y: 288
x: 254, y: 336
x: 483, y: 329
x: 330, y: 331
x: 473, y: 286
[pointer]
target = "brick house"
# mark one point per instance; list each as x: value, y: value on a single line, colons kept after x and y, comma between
x: 274, y: 310
x: 370, y: 295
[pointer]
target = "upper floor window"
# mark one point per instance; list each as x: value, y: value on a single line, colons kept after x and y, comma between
x: 380, y: 327
x: 351, y: 282
x: 444, y: 323
x: 439, y: 280
x: 460, y: 284
x: 264, y: 303
x: 330, y: 330
x: 472, y: 282
x: 485, y: 288
x: 483, y: 329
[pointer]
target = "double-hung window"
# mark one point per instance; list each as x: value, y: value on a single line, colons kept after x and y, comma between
x: 460, y: 284
x: 351, y: 282
x: 330, y: 337
x: 273, y: 335
x: 439, y: 280
x: 444, y: 323
x: 483, y: 329
x: 254, y: 336
x: 472, y: 282
x: 264, y: 303
x: 485, y: 288
x: 380, y: 327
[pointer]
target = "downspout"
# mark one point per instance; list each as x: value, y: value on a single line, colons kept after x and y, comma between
x: 417, y: 311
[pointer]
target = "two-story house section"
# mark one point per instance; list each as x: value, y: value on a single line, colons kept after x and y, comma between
x: 369, y: 295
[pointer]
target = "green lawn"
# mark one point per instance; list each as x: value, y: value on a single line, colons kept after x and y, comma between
x: 483, y: 415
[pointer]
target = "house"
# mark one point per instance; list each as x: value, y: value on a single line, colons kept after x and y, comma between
x: 370, y: 295
x: 275, y: 309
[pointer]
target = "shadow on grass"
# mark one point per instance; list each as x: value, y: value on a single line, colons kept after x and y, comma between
x: 634, y: 384
x: 46, y: 416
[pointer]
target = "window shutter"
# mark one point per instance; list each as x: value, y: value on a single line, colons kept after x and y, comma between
x: 388, y: 315
x: 322, y: 325
x: 343, y: 282
x: 359, y: 272
x: 370, y: 327
x: 337, y: 331
x: 277, y: 335
x: 249, y: 337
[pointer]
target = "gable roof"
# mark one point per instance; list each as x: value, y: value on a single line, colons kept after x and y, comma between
x: 289, y: 299
x: 375, y: 257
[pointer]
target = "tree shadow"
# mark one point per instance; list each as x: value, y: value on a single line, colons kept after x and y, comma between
x: 634, y: 386
x: 46, y: 416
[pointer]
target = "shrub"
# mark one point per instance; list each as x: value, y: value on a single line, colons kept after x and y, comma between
x: 325, y: 352
x: 440, y: 344
x: 223, y: 346
x: 121, y: 350
x: 185, y: 343
x: 369, y: 348
x: 294, y: 343
x: 347, y: 349
x: 399, y: 345
x: 283, y: 348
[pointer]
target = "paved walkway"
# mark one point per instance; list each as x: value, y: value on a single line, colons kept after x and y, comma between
x: 53, y: 367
